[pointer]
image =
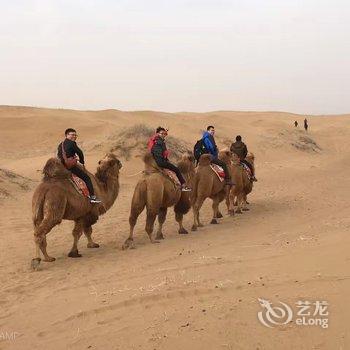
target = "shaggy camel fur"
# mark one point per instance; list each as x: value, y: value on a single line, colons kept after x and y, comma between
x: 207, y: 185
x: 157, y: 193
x: 55, y: 199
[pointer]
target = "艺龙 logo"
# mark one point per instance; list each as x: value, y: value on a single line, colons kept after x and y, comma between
x: 274, y: 315
x: 308, y: 313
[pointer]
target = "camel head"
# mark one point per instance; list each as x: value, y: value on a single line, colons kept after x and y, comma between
x: 225, y: 155
x: 187, y: 157
x: 250, y: 157
x: 205, y: 159
x: 108, y: 167
x: 186, y: 163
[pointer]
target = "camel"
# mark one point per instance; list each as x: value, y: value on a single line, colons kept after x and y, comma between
x: 236, y: 193
x: 157, y: 192
x: 240, y: 197
x: 56, y: 199
x: 207, y: 185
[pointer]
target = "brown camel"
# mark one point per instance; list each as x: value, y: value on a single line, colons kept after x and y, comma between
x: 157, y: 193
x: 240, y: 198
x: 56, y: 199
x: 207, y: 185
x: 236, y: 191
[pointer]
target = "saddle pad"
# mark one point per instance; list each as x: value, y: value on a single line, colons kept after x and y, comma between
x: 247, y: 169
x: 172, y: 176
x: 218, y: 171
x: 80, y: 185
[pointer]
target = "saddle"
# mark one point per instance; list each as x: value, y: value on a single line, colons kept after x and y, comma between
x: 219, y: 171
x: 172, y: 176
x: 247, y: 170
x: 79, y: 185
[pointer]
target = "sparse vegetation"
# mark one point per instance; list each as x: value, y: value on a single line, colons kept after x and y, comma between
x: 133, y: 142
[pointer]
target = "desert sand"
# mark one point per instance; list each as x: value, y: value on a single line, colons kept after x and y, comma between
x: 195, y: 291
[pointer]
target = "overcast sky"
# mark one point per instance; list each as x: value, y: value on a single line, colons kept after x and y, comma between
x: 177, y: 55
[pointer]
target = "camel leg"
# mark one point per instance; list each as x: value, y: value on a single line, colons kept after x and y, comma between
x: 196, y: 208
x: 151, y: 217
x: 215, y: 207
x: 77, y: 232
x: 245, y: 208
x: 179, y: 218
x: 137, y: 205
x: 40, y: 233
x: 161, y: 219
x: 240, y: 199
x: 88, y: 233
x: 53, y: 210
x: 230, y: 202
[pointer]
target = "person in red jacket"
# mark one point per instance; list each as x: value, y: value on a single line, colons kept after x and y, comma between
x: 157, y: 147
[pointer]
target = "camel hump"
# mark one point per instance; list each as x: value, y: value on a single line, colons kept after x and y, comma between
x: 205, y: 159
x: 54, y: 169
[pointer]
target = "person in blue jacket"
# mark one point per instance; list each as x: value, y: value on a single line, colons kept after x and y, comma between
x: 211, y: 148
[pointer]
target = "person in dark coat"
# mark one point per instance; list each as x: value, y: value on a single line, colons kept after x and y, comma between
x: 211, y: 148
x: 296, y: 124
x: 71, y: 149
x: 306, y: 124
x: 160, y: 155
x: 240, y: 149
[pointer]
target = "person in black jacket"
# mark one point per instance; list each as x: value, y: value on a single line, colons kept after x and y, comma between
x: 160, y: 155
x: 240, y: 149
x: 72, y: 150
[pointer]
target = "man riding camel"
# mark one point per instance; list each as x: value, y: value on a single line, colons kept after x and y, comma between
x: 211, y: 148
x: 240, y: 149
x: 160, y: 154
x: 68, y: 153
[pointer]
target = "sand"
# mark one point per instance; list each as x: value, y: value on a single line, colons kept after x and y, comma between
x: 196, y: 291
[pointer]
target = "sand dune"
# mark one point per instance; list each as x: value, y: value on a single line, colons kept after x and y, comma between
x: 192, y: 292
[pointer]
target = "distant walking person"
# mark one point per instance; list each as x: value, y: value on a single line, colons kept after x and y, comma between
x: 306, y: 125
x: 296, y: 124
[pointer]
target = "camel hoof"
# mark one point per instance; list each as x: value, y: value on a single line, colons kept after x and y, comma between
x: 238, y: 211
x: 200, y: 225
x: 154, y: 241
x: 129, y: 243
x: 35, y: 263
x: 93, y: 245
x: 74, y: 254
x: 245, y: 209
x: 214, y: 221
x: 231, y: 212
x: 219, y: 215
x: 183, y: 231
x: 49, y: 259
x: 194, y: 228
x: 160, y: 236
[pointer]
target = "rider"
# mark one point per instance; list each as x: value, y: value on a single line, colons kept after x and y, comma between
x: 240, y: 149
x: 160, y: 154
x: 211, y: 148
x: 71, y: 149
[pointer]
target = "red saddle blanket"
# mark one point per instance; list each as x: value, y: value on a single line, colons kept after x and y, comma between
x: 172, y: 176
x: 218, y: 171
x: 80, y: 185
x: 247, y: 169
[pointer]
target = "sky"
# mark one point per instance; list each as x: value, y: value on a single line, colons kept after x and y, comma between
x: 183, y: 55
